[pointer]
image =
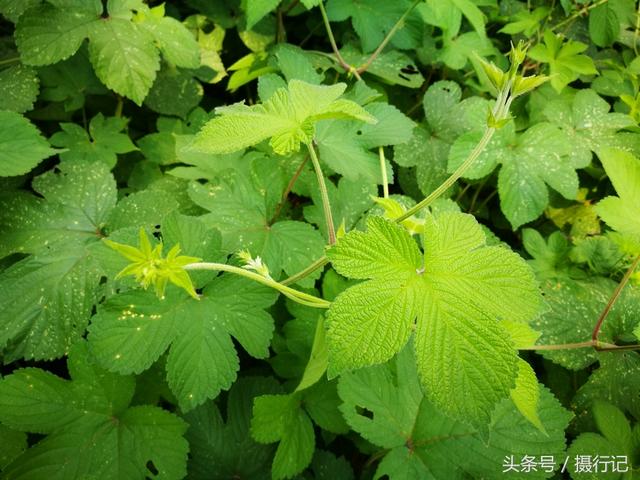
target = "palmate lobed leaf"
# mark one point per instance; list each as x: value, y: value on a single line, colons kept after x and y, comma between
x: 92, y: 431
x: 457, y: 292
x: 288, y: 118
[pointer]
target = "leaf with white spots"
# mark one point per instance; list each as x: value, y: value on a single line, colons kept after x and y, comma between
x: 46, y: 303
x: 124, y: 57
x: 242, y: 208
x: 20, y: 86
x: 74, y: 203
x: 101, y: 143
x: 132, y: 330
x: 530, y: 162
x: 92, y: 431
x: 22, y: 147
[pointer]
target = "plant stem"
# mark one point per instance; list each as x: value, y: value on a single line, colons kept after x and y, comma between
x: 475, y: 153
x: 614, y: 297
x: 287, y: 190
x: 7, y: 61
x: 397, y: 26
x: 321, y: 262
x: 349, y: 68
x: 383, y: 171
x: 119, y: 105
x: 575, y: 15
x: 295, y: 295
x: 326, y: 206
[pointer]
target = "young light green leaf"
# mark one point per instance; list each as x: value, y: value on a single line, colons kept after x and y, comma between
x: 124, y: 57
x: 288, y: 118
x: 565, y: 59
x: 526, y: 394
x: 622, y: 213
x: 22, y: 146
x: 378, y: 315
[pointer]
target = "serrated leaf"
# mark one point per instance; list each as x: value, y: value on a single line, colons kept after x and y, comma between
x: 257, y: 9
x: 240, y: 207
x: 526, y: 394
x: 13, y: 444
x: 621, y: 213
x: 372, y: 20
x: 588, y: 125
x: 22, y: 146
x: 565, y: 59
x: 102, y: 142
x: 386, y: 405
x: 573, y: 308
x: 124, y: 57
x: 457, y: 338
x: 133, y: 329
x: 219, y: 447
x: 530, y: 162
x: 604, y: 25
x: 20, y: 86
x: 46, y: 34
x: 83, y: 438
x: 178, y: 46
x: 281, y: 418
x: 288, y: 117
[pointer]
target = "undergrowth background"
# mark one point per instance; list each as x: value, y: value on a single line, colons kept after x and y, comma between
x: 509, y: 364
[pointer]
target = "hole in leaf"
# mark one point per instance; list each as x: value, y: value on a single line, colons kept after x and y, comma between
x: 152, y: 468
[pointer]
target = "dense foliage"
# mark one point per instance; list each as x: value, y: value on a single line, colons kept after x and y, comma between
x: 252, y: 239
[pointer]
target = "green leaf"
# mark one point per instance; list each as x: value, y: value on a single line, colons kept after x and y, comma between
x: 124, y: 57
x: 372, y: 20
x: 133, y: 329
x: 257, y: 9
x: 573, y: 307
x: 174, y: 92
x: 288, y: 117
x: 530, y: 162
x: 12, y: 9
x: 447, y: 117
x: 20, y: 86
x: 241, y: 208
x: 459, y: 345
x: 72, y: 207
x: 391, y: 66
x: 177, y: 44
x: 565, y: 59
x: 46, y: 34
x: 90, y: 425
x: 210, y: 436
x: 550, y: 256
x: 622, y: 212
x: 22, y: 147
x: 13, y: 444
x: 588, y: 125
x: 526, y: 394
x: 604, y: 25
x: 386, y: 405
x: 102, y: 143
x: 280, y: 418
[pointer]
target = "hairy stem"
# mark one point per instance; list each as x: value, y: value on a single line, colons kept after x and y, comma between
x: 614, y: 298
x: 383, y: 171
x: 319, y: 263
x: 293, y: 294
x: 397, y: 26
x: 326, y: 206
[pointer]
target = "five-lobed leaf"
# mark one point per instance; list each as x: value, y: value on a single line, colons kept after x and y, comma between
x: 288, y: 117
x: 458, y: 291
